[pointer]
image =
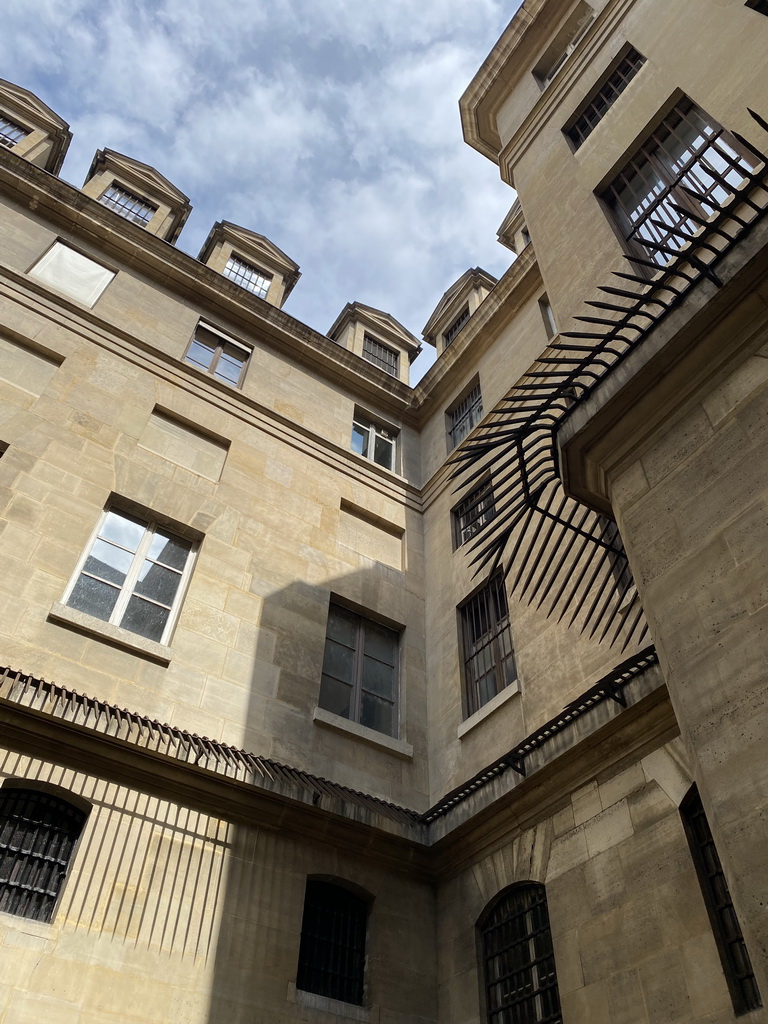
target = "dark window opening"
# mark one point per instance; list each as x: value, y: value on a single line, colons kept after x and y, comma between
x: 489, y: 658
x: 332, y: 950
x: 472, y: 513
x: 518, y: 962
x: 606, y: 95
x: 381, y: 355
x: 465, y: 415
x: 455, y: 327
x: 128, y: 205
x: 247, y: 276
x: 10, y: 132
x: 679, y: 177
x: 761, y: 6
x: 734, y: 955
x: 38, y: 833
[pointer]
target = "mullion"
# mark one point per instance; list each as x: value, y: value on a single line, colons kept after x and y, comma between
x: 131, y: 577
x: 357, y: 682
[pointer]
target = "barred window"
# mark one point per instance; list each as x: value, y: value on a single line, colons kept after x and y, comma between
x: 222, y: 357
x: 456, y: 326
x: 360, y: 670
x: 374, y: 442
x: 10, y: 132
x: 332, y: 949
x: 38, y: 833
x: 489, y: 658
x: 606, y: 95
x: 381, y: 355
x: 464, y: 415
x: 248, y: 276
x: 132, y: 207
x: 678, y: 178
x: 133, y: 575
x: 472, y: 513
x: 518, y: 962
x: 734, y: 955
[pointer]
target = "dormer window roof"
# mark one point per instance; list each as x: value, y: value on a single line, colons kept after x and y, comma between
x: 456, y: 307
x: 247, y: 276
x: 10, y: 132
x: 377, y: 337
x: 31, y: 129
x: 128, y: 205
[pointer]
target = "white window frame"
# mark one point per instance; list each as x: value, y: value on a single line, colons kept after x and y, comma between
x: 364, y: 422
x: 151, y: 525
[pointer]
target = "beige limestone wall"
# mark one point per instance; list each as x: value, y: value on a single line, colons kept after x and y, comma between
x: 631, y: 935
x: 173, y: 916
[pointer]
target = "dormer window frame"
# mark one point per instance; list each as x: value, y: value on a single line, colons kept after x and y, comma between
x: 135, y: 208
x: 9, y: 127
x: 381, y: 355
x: 458, y: 322
x: 237, y: 263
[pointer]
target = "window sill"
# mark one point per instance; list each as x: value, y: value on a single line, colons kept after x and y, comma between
x: 487, y: 709
x: 100, y: 630
x: 361, y: 732
x: 344, y: 1011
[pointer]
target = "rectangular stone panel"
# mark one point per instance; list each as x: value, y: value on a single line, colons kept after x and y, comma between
x: 182, y: 444
x: 370, y: 536
x: 25, y: 368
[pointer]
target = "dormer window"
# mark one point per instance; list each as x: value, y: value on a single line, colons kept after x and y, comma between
x: 247, y: 276
x: 381, y: 355
x: 10, y: 132
x: 128, y: 205
x: 455, y: 327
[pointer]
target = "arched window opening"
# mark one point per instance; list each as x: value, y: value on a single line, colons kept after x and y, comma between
x: 726, y: 929
x: 332, y: 951
x: 38, y: 832
x: 518, y: 962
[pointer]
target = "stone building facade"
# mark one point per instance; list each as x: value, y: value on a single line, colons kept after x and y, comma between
x: 326, y: 697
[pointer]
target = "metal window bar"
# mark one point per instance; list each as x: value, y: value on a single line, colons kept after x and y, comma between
x: 605, y: 97
x: 464, y: 415
x: 473, y: 512
x: 332, y: 948
x: 518, y: 960
x: 680, y: 177
x: 489, y: 659
x: 380, y: 355
x: 10, y: 132
x: 128, y: 205
x: 456, y: 326
x: 734, y: 955
x: 248, y: 276
x: 38, y: 833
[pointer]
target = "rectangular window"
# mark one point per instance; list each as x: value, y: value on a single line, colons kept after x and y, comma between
x: 604, y: 97
x: 360, y: 670
x: 689, y: 162
x: 374, y: 442
x: 489, y: 658
x: 550, y: 326
x: 456, y: 326
x: 734, y: 955
x: 381, y: 355
x: 467, y: 412
x: 132, y: 207
x: 248, y: 276
x: 71, y: 273
x: 133, y: 575
x: 758, y: 5
x: 10, y: 132
x: 472, y: 513
x: 218, y: 355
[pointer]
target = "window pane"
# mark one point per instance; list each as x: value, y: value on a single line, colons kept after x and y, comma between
x: 343, y: 625
x: 157, y: 582
x: 229, y: 366
x: 108, y: 562
x: 360, y: 439
x: 335, y: 696
x: 379, y: 678
x: 377, y: 714
x: 145, y: 619
x: 383, y: 452
x: 339, y: 661
x: 93, y: 597
x: 381, y: 643
x: 200, y: 354
x: 169, y: 550
x: 123, y: 530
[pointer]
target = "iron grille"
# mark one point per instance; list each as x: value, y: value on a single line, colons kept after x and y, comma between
x: 465, y: 414
x: 380, y: 355
x: 602, y: 101
x: 10, y: 132
x: 489, y: 659
x: 456, y: 326
x: 248, y: 276
x: 734, y: 955
x: 332, y: 950
x: 38, y: 833
x: 472, y: 513
x: 128, y: 205
x: 519, y: 965
x: 688, y: 169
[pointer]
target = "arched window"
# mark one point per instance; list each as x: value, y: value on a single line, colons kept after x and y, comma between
x: 518, y: 963
x: 726, y: 929
x: 332, y: 951
x: 38, y: 832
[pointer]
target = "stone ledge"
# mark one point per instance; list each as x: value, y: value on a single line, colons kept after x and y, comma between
x: 361, y: 732
x: 105, y: 631
x: 487, y: 709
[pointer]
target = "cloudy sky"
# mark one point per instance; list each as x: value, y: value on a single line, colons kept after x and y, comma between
x: 330, y: 126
